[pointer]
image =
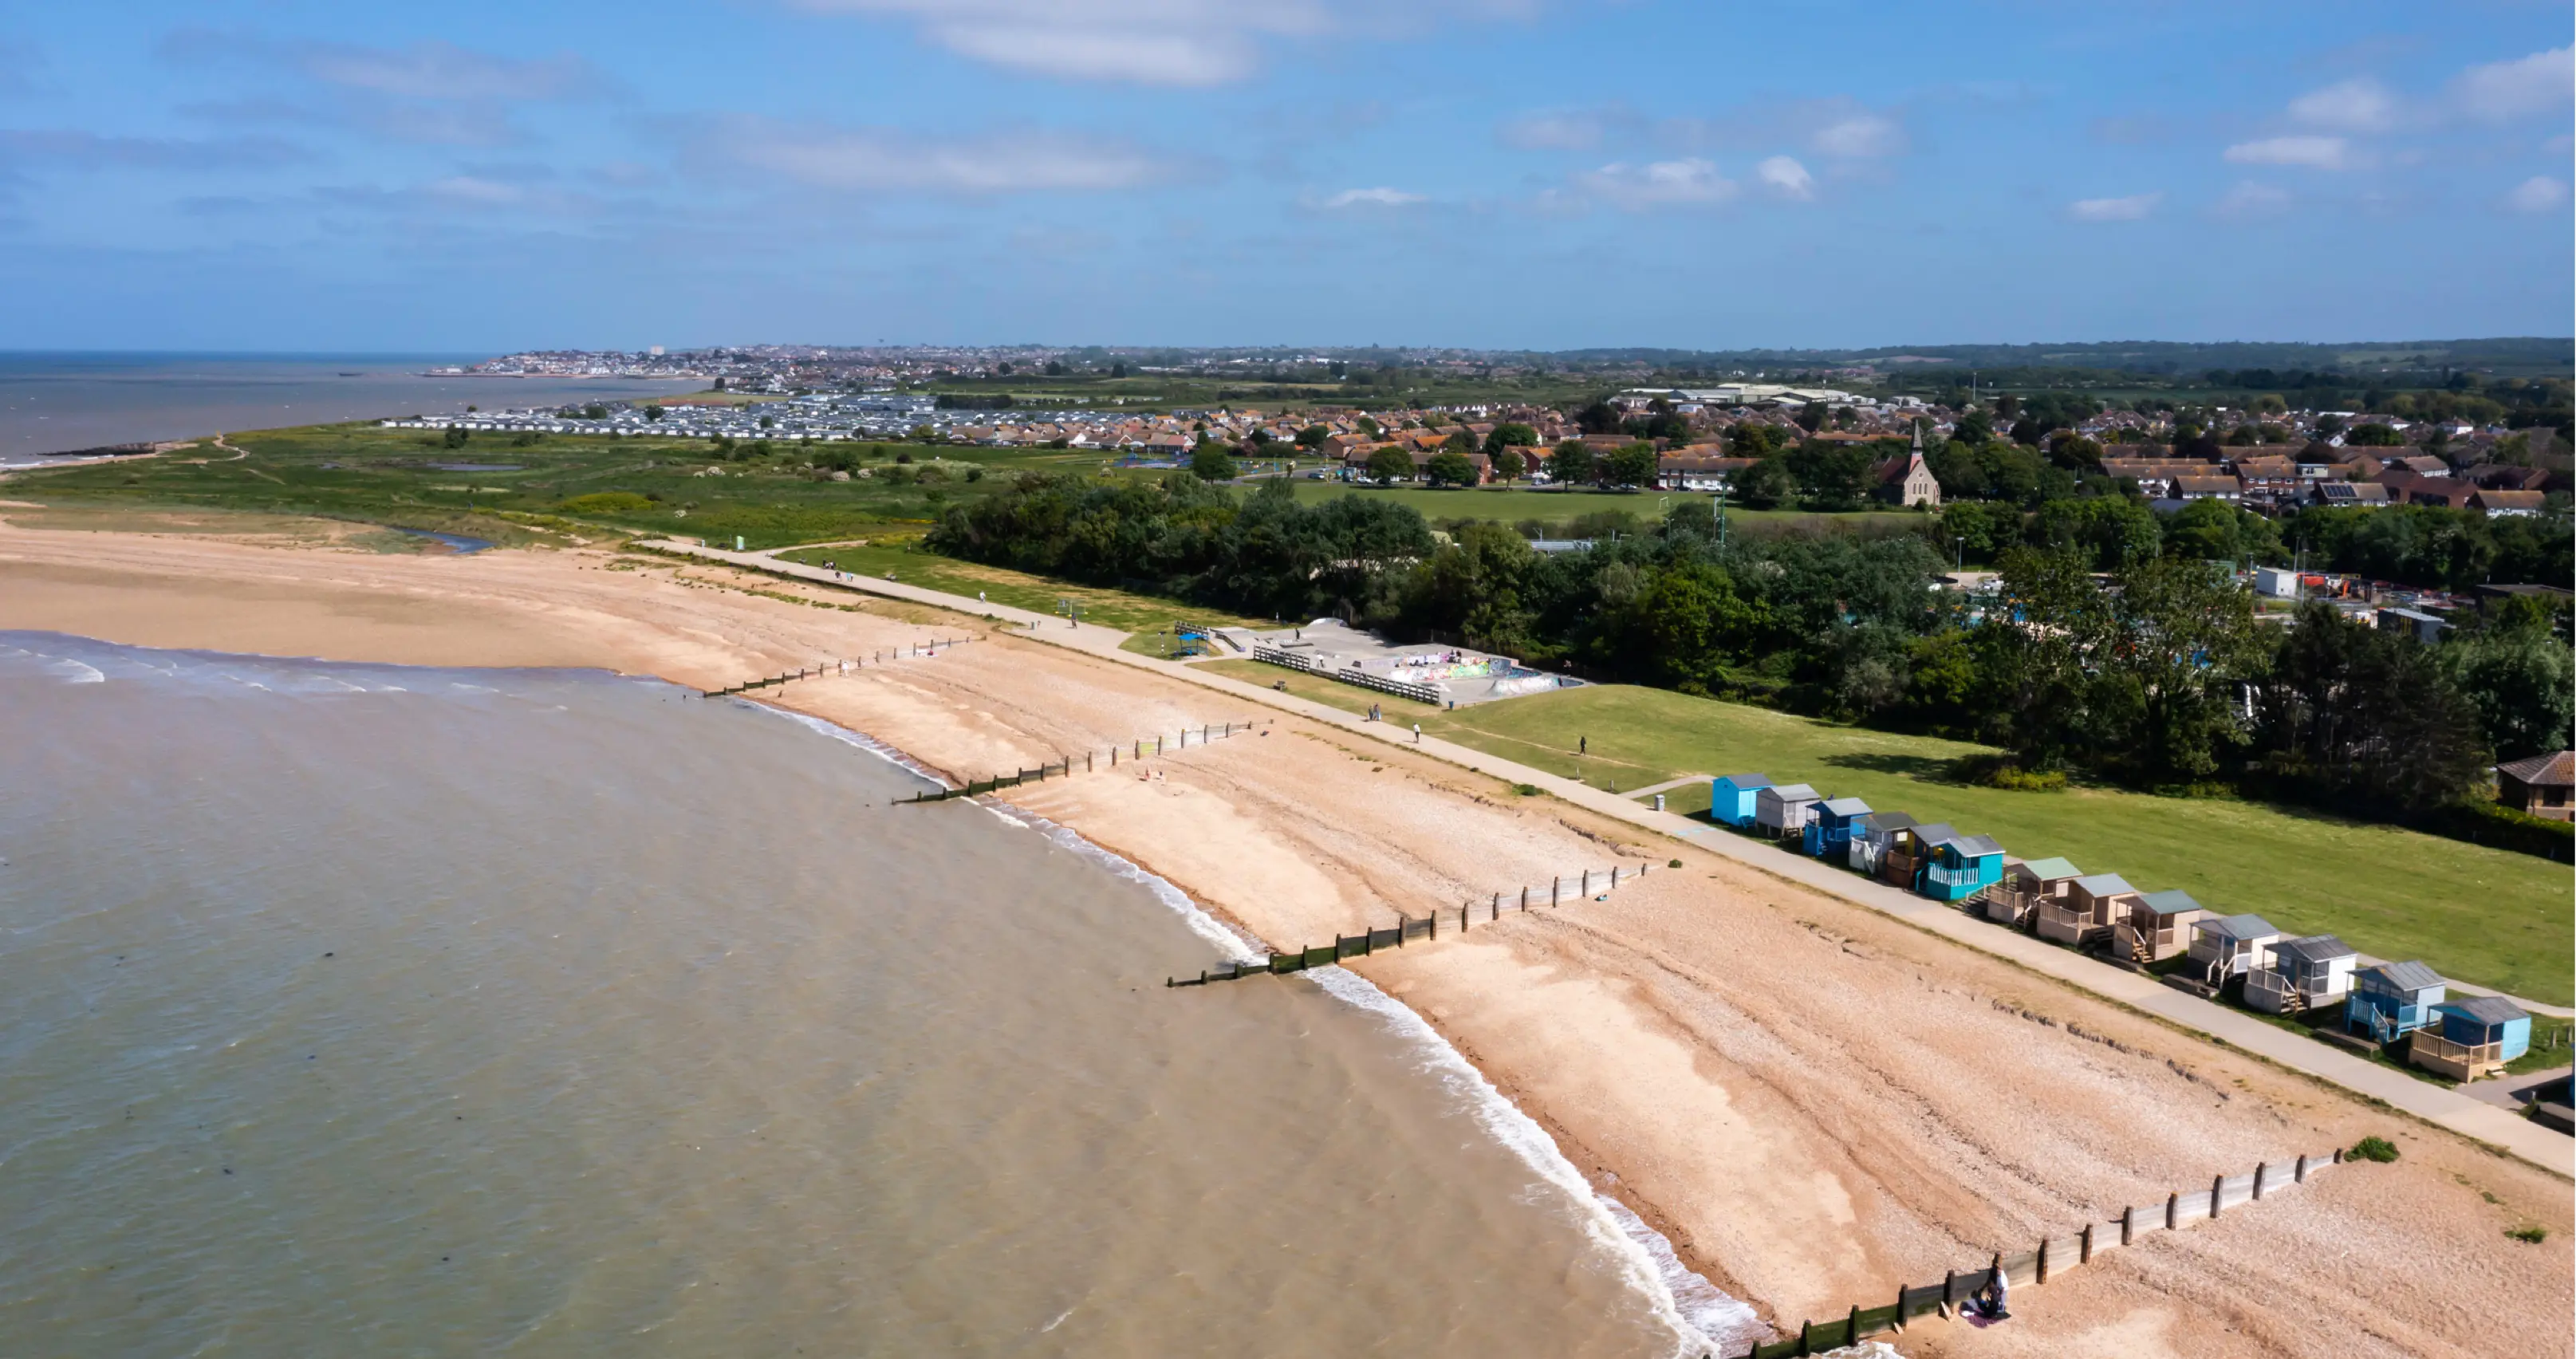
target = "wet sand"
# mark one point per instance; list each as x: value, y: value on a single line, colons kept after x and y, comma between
x: 1813, y: 1101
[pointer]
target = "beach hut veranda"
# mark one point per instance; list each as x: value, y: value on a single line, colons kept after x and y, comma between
x: 2470, y: 1037
x: 2233, y: 944
x: 2024, y: 886
x: 2157, y: 926
x: 1958, y: 867
x: 2305, y: 973
x: 1869, y: 839
x: 1730, y: 798
x: 2082, y: 915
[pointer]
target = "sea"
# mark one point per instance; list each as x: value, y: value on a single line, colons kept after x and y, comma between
x: 64, y: 402
x: 356, y: 1009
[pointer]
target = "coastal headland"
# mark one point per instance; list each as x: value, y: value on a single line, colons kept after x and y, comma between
x: 1813, y: 1101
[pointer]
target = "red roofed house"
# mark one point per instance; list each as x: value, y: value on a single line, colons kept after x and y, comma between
x: 2540, y: 786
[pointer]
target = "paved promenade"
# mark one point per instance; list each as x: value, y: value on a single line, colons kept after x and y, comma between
x: 2448, y: 1107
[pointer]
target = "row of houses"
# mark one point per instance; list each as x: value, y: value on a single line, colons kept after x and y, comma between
x: 2390, y: 1003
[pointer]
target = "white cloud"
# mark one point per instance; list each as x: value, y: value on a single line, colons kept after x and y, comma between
x: 2539, y: 193
x: 437, y: 70
x: 2357, y: 105
x: 2543, y: 82
x: 1859, y: 136
x: 1373, y: 198
x: 880, y: 158
x: 2129, y: 209
x: 1153, y: 42
x: 1665, y: 183
x: 2321, y: 153
x: 475, y: 191
x: 2249, y: 202
x: 1787, y: 178
x: 1555, y: 130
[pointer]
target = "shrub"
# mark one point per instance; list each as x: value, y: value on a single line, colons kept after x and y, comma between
x: 607, y: 502
x: 2373, y: 1149
x: 2000, y: 771
x: 2532, y: 1235
x: 1526, y: 789
x: 1674, y: 864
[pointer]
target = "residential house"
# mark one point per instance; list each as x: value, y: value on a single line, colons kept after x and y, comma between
x: 2025, y: 886
x: 2215, y: 487
x: 2305, y: 973
x: 2368, y: 495
x: 2542, y: 786
x: 1959, y: 867
x: 1692, y: 469
x: 2496, y: 503
x: 2427, y: 627
x: 2445, y: 492
x: 2392, y: 1000
x: 1783, y: 810
x: 2424, y: 465
x: 2471, y: 1037
x: 1730, y: 798
x: 1829, y: 830
x: 2158, y: 926
x: 2232, y: 944
x: 2086, y: 910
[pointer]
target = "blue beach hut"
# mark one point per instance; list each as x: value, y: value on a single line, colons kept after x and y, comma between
x: 1730, y: 797
x: 1829, y: 830
x: 1960, y: 866
x: 2470, y: 1037
x: 2392, y: 1000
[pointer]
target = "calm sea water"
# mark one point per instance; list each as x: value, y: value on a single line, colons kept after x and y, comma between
x: 50, y: 403
x: 351, y: 1009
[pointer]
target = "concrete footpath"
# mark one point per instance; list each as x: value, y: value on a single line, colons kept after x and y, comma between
x: 2448, y: 1106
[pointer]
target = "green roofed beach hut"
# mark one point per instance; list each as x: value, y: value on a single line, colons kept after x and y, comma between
x: 2017, y: 896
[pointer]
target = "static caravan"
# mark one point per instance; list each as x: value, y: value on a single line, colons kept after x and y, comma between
x: 1960, y: 867
x: 2233, y: 944
x: 2017, y: 898
x: 2085, y: 912
x: 1730, y: 799
x: 2471, y: 1037
x: 2158, y: 926
x: 2392, y: 1000
x: 2305, y: 973
x: 1869, y: 839
x: 1829, y: 831
x: 1783, y: 811
x: 1908, y: 849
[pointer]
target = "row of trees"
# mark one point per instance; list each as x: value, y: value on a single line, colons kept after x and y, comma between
x: 2156, y: 674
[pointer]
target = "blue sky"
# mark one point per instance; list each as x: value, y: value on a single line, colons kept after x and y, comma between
x: 1491, y: 173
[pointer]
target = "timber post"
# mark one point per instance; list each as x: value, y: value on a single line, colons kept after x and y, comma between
x: 1851, y: 1326
x: 2128, y: 1223
x: 1552, y: 885
x: 2299, y: 1173
x: 2259, y: 1168
x: 2216, y: 1186
x: 2084, y: 1246
x: 2043, y: 1260
x: 1525, y: 897
x: 1806, y: 1337
x: 2173, y: 1211
x: 1496, y: 913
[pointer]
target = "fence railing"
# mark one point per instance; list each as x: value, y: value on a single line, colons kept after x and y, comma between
x: 1419, y: 693
x: 1519, y: 901
x: 2053, y: 1256
x: 839, y: 667
x: 1142, y: 748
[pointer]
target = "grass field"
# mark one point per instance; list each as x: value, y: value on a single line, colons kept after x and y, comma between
x: 2481, y: 915
x: 1145, y: 615
x: 1512, y: 504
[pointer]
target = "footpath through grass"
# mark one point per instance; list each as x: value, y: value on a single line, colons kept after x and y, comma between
x: 2481, y: 915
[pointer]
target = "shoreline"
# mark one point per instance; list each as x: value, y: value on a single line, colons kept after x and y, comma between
x: 1807, y: 1100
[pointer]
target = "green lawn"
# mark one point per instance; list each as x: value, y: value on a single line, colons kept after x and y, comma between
x: 2482, y: 915
x: 1512, y: 504
x: 1120, y: 609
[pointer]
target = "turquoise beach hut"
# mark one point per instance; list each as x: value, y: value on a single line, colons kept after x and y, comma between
x: 1730, y: 798
x: 1959, y: 867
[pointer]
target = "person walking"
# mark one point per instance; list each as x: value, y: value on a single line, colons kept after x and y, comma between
x: 1582, y: 745
x: 1417, y: 733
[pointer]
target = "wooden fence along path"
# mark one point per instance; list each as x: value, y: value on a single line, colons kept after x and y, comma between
x: 880, y: 657
x: 1143, y: 748
x: 2053, y: 1256
x: 1416, y: 927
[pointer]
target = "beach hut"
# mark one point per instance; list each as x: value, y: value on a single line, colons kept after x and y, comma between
x: 1907, y: 849
x: 2084, y: 913
x: 2305, y: 973
x: 2471, y: 1037
x: 1829, y: 831
x: 1869, y: 839
x: 2392, y: 1000
x: 2230, y: 944
x: 1730, y: 798
x: 2157, y: 926
x: 1960, y: 866
x: 1783, y: 810
x: 2017, y: 896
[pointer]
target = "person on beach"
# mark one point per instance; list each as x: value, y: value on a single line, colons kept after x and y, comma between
x: 1989, y: 1301
x: 1417, y: 733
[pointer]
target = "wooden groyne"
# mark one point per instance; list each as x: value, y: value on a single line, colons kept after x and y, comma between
x: 1142, y: 748
x: 839, y: 667
x: 2052, y: 1256
x: 1426, y: 927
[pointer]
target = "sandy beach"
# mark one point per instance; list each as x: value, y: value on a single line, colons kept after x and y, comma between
x: 1815, y: 1102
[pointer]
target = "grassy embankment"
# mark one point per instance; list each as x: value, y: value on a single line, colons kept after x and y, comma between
x: 1149, y: 617
x: 2481, y: 915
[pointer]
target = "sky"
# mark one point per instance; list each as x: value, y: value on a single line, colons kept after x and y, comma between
x: 1543, y: 174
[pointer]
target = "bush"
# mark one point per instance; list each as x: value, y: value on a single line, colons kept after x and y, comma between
x: 1999, y: 771
x: 2532, y: 1235
x: 1526, y: 790
x: 1674, y: 864
x: 2483, y: 822
x: 607, y: 502
x: 2378, y: 1149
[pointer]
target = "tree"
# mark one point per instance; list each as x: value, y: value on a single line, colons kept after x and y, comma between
x: 1055, y: 368
x: 1390, y: 465
x: 1449, y: 467
x: 2184, y: 636
x: 1118, y: 370
x: 1508, y: 463
x: 1313, y: 436
x: 456, y: 436
x: 2110, y: 532
x: 2373, y: 435
x: 1630, y: 465
x: 1598, y: 418
x: 653, y: 414
x: 1461, y: 441
x: 1571, y: 464
x: 1766, y: 485
x: 1811, y: 417
x: 1511, y: 434
x: 1830, y: 476
x: 2522, y: 682
x: 2350, y: 713
x: 1368, y: 426
x: 1212, y: 461
x: 1752, y: 439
